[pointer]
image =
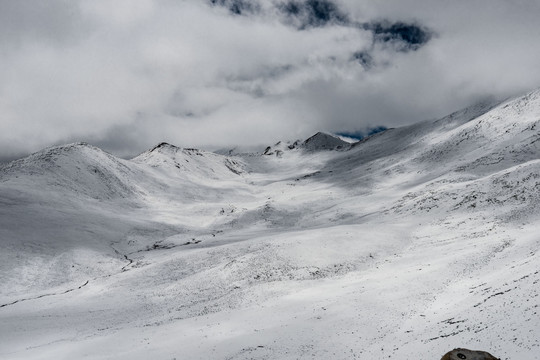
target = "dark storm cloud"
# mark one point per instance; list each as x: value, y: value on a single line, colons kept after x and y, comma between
x: 396, y: 35
x: 308, y: 14
x: 391, y: 36
x: 303, y: 14
x: 402, y: 36
x: 313, y: 13
x: 237, y: 7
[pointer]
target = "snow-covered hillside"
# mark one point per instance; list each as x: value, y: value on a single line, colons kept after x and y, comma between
x: 417, y: 239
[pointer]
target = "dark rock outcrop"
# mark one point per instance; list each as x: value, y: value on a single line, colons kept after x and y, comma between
x: 465, y: 354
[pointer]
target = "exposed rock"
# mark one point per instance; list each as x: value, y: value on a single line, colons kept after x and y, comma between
x: 323, y: 141
x: 461, y: 354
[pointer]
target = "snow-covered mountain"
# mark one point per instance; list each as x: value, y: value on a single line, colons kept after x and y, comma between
x: 318, y: 142
x: 417, y: 239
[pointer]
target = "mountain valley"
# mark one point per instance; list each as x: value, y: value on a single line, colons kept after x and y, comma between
x: 418, y: 239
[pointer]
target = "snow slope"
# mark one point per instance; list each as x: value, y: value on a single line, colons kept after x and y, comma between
x: 422, y: 238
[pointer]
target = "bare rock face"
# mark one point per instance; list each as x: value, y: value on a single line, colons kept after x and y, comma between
x: 465, y: 354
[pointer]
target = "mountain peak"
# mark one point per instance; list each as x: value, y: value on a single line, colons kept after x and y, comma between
x: 319, y: 141
x: 164, y: 145
x: 324, y: 141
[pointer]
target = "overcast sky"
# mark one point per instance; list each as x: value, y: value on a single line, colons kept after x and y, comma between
x: 127, y: 74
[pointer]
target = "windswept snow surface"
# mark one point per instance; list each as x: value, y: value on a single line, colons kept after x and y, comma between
x: 415, y: 240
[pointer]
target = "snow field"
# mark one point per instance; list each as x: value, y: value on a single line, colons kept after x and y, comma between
x: 422, y: 239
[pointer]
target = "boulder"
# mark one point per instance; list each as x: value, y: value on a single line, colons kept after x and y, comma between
x: 465, y: 354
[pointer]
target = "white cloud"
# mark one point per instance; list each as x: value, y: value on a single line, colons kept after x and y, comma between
x: 127, y: 74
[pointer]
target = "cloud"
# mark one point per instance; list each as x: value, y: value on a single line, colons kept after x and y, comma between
x: 53, y: 22
x: 402, y: 36
x: 313, y: 13
x: 126, y: 75
x: 364, y: 58
x: 237, y: 7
